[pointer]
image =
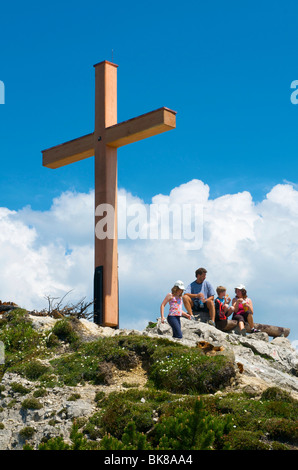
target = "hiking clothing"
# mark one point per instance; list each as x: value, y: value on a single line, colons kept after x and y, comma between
x: 242, y: 314
x: 174, y: 322
x: 175, y: 306
x: 205, y: 287
x: 219, y: 312
x: 195, y: 288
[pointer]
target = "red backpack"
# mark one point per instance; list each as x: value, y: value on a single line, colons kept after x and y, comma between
x: 219, y: 311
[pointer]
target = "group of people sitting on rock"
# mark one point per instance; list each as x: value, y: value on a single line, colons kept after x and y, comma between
x: 199, y: 297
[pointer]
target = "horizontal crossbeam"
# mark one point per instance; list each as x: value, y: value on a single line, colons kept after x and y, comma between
x: 69, y: 152
x: 127, y: 132
x: 141, y: 127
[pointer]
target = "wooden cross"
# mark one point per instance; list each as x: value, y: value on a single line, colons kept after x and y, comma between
x: 103, y: 144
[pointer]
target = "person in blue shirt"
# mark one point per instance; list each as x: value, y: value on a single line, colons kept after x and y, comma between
x: 199, y: 296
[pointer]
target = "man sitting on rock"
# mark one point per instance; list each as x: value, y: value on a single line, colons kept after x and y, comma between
x: 199, y: 296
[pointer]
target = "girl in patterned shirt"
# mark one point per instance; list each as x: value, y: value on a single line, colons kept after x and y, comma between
x: 174, y: 298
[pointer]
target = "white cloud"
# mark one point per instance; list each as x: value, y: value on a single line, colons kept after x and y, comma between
x: 47, y: 253
x: 51, y: 252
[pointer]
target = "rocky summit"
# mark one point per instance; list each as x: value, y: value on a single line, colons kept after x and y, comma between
x: 68, y: 376
x: 261, y: 361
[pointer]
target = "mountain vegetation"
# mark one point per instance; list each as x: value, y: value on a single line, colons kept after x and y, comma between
x: 62, y: 390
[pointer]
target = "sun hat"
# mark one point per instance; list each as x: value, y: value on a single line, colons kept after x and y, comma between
x: 240, y: 286
x: 179, y: 284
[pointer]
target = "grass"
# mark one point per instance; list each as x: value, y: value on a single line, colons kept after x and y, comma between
x: 169, y: 366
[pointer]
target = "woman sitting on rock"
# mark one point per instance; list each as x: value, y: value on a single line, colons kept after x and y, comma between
x: 243, y: 310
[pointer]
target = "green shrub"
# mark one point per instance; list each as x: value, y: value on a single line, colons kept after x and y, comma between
x: 27, y: 432
x: 64, y: 331
x: 187, y: 430
x: 245, y: 440
x: 55, y: 443
x: 19, y: 388
x: 99, y: 396
x: 149, y: 349
x: 130, y: 384
x: 35, y: 369
x: 113, y: 350
x: 74, y: 397
x: 284, y: 430
x: 119, y: 413
x: 31, y: 404
x: 276, y: 394
x: 258, y: 420
x: 40, y: 392
x: 190, y: 371
x: 281, y: 409
x: 52, y: 340
x: 183, y: 430
x: 78, y: 442
x: 20, y: 339
x: 73, y: 368
x: 12, y: 403
x: 92, y: 427
x: 118, y: 409
x: 131, y: 440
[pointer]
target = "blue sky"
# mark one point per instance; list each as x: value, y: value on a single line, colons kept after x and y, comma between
x: 225, y: 67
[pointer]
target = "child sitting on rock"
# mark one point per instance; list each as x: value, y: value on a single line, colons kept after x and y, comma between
x: 222, y: 301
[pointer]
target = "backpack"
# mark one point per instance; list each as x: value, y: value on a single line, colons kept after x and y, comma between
x: 219, y: 311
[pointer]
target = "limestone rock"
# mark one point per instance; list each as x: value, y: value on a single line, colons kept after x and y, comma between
x: 78, y: 408
x: 42, y: 323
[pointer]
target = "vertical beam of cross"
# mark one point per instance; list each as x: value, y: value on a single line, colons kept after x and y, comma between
x: 106, y: 250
